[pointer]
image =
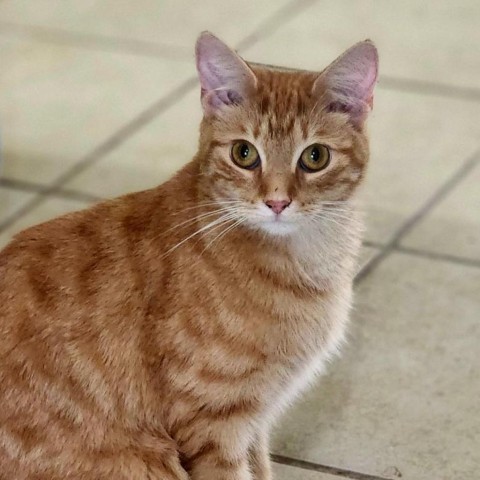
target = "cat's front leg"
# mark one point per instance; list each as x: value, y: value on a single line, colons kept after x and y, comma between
x: 216, y: 466
x: 259, y: 457
x: 222, y: 454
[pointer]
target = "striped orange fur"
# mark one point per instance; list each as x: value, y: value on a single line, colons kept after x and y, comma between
x: 158, y: 335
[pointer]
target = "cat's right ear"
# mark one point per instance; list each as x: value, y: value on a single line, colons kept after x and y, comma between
x: 225, y: 78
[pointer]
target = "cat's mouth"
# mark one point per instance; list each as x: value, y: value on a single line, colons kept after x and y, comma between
x: 268, y: 221
x: 276, y: 225
x: 279, y: 226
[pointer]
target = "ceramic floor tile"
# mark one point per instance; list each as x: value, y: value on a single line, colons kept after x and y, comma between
x: 51, y: 208
x: 416, y: 40
x: 149, y: 157
x: 170, y: 22
x: 453, y: 226
x: 404, y: 397
x: 11, y: 200
x: 285, y: 472
x: 57, y: 103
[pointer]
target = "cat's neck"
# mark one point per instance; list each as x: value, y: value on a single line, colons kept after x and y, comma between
x: 308, y: 257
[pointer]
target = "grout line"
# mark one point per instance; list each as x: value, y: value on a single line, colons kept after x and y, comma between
x: 99, y: 42
x: 341, y: 472
x: 287, y: 12
x: 26, y: 186
x: 422, y: 253
x: 439, y: 195
x: 372, y: 244
x: 76, y: 195
x: 147, y: 48
x: 370, y: 265
x: 23, y: 185
x: 26, y: 208
x: 412, y: 221
x: 125, y: 132
x: 429, y: 88
x: 445, y: 257
x: 42, y: 194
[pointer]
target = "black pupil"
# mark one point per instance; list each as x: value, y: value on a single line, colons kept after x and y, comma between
x: 315, y: 154
x: 244, y: 150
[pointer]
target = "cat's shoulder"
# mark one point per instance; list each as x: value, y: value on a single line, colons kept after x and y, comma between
x: 103, y: 219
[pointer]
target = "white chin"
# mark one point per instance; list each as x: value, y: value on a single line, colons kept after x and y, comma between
x: 276, y: 227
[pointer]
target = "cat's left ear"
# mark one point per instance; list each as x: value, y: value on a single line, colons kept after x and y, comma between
x: 349, y: 81
x: 224, y: 76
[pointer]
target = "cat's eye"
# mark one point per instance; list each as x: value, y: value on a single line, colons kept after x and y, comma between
x: 314, y: 158
x: 245, y: 155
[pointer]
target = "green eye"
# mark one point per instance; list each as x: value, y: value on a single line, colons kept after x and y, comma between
x: 245, y: 155
x: 314, y: 158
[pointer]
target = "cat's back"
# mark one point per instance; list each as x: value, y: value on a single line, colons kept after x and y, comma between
x: 58, y: 273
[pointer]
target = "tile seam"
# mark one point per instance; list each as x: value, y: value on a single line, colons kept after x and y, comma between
x: 97, y: 42
x: 317, y: 467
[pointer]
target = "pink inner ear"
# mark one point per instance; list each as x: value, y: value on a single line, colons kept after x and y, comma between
x: 224, y: 77
x: 211, y: 75
x: 351, y: 79
x: 369, y: 72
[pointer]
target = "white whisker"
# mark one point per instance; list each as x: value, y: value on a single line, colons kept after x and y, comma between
x: 218, y: 221
x: 208, y: 204
x: 224, y: 232
x: 344, y: 215
x: 199, y: 217
x: 334, y: 224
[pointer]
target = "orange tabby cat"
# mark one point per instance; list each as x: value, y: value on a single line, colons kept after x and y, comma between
x: 158, y: 335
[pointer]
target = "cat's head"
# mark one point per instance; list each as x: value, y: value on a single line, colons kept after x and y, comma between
x: 279, y: 147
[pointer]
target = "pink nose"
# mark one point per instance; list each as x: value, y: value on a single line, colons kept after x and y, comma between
x: 278, y: 206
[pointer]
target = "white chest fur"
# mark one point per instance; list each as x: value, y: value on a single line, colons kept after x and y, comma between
x: 320, y: 343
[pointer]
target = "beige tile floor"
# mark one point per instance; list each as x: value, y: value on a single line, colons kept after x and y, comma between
x: 97, y: 99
